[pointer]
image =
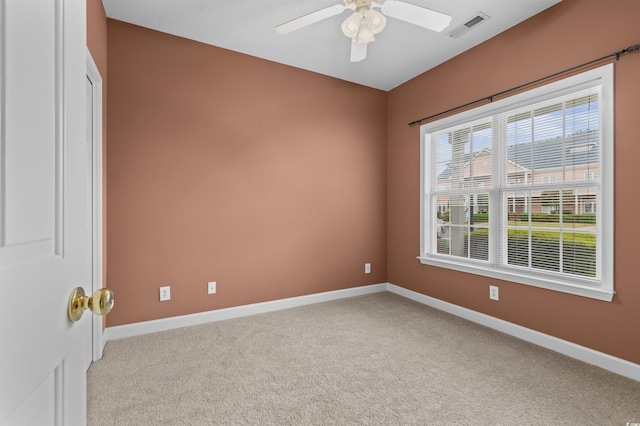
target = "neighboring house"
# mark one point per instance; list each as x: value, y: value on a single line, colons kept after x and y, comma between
x: 547, y: 162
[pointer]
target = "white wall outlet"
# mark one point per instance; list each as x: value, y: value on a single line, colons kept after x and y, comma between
x: 367, y: 268
x: 494, y: 294
x: 211, y: 287
x: 165, y: 293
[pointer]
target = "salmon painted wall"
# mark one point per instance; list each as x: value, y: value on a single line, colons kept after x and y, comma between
x: 97, y: 44
x: 568, y: 34
x: 223, y: 167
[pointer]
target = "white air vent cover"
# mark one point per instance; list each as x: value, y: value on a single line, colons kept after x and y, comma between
x: 476, y: 20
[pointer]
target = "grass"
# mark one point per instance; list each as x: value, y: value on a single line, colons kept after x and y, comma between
x: 554, y: 225
x: 550, y: 225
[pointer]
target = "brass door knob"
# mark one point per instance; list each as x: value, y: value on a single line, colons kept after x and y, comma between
x: 100, y: 302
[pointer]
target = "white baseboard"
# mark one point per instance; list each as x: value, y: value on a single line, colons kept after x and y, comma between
x: 145, y: 327
x: 582, y: 353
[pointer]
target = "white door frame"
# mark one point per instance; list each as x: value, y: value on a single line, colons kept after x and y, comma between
x: 93, y: 75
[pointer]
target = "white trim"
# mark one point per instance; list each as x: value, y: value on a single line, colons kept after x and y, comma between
x: 600, y: 287
x: 600, y: 359
x: 581, y: 353
x: 532, y: 278
x: 93, y: 74
x: 605, y: 206
x: 139, y: 328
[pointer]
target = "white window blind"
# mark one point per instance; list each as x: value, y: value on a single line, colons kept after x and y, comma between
x: 521, y: 189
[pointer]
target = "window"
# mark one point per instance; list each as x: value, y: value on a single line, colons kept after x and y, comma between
x: 522, y: 189
x: 592, y: 176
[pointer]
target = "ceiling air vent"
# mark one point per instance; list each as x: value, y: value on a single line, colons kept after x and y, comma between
x: 471, y: 23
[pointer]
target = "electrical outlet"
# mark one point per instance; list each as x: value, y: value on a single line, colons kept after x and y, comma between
x: 367, y: 268
x: 211, y: 287
x: 165, y: 293
x: 494, y: 293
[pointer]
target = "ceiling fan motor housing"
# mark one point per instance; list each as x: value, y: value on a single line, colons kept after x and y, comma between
x: 359, y: 3
x: 364, y: 22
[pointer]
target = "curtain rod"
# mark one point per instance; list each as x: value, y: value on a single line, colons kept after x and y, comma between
x: 489, y: 98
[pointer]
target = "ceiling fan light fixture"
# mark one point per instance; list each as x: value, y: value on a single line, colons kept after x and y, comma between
x: 351, y: 25
x: 376, y: 21
x: 365, y: 35
x: 364, y: 22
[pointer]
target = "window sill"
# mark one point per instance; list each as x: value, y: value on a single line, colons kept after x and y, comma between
x: 541, y: 282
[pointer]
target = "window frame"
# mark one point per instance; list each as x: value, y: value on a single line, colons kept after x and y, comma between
x: 602, y: 76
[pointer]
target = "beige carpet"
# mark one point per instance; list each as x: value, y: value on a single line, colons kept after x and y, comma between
x: 371, y: 360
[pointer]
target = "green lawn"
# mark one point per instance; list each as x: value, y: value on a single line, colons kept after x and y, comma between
x: 555, y: 225
x: 550, y: 225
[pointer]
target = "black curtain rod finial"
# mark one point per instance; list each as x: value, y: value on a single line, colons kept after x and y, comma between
x: 633, y: 48
x: 630, y: 49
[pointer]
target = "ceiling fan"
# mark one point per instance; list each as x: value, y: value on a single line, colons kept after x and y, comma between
x: 365, y: 22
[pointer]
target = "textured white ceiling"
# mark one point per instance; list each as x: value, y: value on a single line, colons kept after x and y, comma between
x: 401, y: 52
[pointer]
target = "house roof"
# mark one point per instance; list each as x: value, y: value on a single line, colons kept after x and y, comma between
x: 582, y: 148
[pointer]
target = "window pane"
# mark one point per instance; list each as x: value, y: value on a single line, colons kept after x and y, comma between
x: 550, y: 202
x: 481, y: 208
x: 547, y: 123
x: 534, y: 236
x: 545, y: 250
x: 459, y: 241
x: 582, y: 115
x: 579, y: 254
x: 585, y: 208
x: 579, y: 236
x: 443, y: 161
x: 458, y: 219
x: 518, y: 208
x: 547, y: 153
x: 463, y: 157
x: 443, y: 207
x: 479, y: 243
x: 441, y: 235
x: 480, y: 166
x: 518, y: 247
x: 554, y: 143
x: 459, y: 213
x: 519, y: 137
x: 443, y: 246
x: 582, y: 139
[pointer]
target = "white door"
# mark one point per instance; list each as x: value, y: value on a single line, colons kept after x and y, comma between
x: 45, y: 221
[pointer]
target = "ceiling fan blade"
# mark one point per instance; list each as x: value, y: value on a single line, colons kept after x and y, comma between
x: 358, y: 51
x: 310, y: 18
x: 426, y: 18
